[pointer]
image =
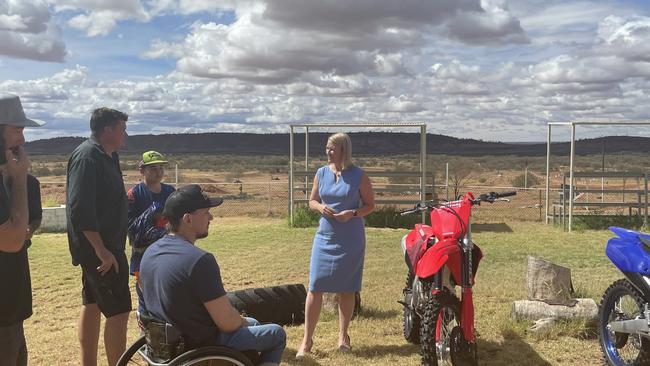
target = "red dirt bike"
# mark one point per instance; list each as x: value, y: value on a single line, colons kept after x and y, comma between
x: 439, y: 258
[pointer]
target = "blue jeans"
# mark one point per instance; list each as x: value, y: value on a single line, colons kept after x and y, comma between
x: 268, y: 339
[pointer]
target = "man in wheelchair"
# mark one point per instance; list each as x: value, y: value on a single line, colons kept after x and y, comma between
x: 182, y: 284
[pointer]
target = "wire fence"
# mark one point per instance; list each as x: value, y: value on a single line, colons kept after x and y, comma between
x: 272, y: 199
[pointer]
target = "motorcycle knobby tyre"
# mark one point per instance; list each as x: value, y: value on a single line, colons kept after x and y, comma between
x: 613, y: 293
x: 410, y: 319
x: 443, y: 299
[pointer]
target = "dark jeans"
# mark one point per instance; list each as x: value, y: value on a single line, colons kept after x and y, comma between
x: 13, y: 348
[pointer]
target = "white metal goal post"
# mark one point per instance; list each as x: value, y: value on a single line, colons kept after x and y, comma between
x: 572, y: 156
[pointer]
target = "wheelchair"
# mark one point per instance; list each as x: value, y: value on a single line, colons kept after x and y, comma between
x: 163, y: 345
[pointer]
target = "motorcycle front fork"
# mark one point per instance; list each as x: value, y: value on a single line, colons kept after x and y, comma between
x: 443, y: 279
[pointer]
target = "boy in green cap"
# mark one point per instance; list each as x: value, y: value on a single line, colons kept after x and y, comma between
x: 146, y: 201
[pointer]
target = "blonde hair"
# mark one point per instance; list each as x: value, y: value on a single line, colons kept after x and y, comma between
x: 342, y: 140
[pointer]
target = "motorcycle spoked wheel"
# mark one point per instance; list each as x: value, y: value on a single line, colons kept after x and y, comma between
x: 463, y: 353
x: 410, y: 319
x: 450, y: 348
x: 621, y: 301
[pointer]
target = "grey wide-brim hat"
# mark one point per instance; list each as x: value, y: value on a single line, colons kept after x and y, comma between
x: 12, y: 113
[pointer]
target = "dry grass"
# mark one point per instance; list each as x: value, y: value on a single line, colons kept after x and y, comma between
x: 264, y: 252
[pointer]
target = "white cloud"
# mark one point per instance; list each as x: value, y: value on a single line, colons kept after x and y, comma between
x: 466, y: 67
x: 158, y: 7
x: 280, y: 42
x: 99, y: 17
x: 403, y: 104
x: 492, y: 24
x: 27, y: 31
x: 627, y: 38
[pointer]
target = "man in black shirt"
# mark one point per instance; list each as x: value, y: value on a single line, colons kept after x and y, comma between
x: 15, y: 283
x: 96, y: 210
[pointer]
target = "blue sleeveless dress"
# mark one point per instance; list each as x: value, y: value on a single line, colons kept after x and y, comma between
x: 339, y: 247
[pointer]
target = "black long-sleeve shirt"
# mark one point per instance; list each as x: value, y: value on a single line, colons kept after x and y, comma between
x: 95, y: 200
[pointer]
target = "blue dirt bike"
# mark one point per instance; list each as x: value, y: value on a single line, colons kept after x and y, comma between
x: 624, y: 314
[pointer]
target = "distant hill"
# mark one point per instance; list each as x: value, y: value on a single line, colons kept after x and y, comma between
x: 364, y: 143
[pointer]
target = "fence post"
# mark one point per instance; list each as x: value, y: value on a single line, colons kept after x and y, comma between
x: 433, y: 185
x: 526, y: 176
x: 269, y: 213
x: 540, y: 205
x: 447, y: 181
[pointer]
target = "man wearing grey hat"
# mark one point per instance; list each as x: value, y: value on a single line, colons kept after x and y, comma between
x: 15, y: 282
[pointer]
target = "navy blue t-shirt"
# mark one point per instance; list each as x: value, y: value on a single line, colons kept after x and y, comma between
x: 140, y: 198
x: 176, y: 279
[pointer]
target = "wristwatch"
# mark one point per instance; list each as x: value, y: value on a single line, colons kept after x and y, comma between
x: 354, y: 213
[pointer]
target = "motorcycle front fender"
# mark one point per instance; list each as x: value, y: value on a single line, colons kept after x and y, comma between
x: 445, y: 252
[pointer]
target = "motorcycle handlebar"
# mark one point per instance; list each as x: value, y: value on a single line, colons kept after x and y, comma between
x: 419, y: 207
x: 487, y: 197
x: 408, y: 212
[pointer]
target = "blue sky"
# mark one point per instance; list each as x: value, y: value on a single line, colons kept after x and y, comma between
x: 490, y: 69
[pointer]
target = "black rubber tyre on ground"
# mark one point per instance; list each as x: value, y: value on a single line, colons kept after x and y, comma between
x: 283, y: 305
x: 621, y: 301
x: 410, y: 319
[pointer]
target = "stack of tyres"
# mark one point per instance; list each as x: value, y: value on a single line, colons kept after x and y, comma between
x: 283, y: 305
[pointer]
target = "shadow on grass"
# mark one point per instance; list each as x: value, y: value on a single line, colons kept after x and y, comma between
x: 494, y: 228
x: 370, y: 352
x: 373, y: 313
x: 512, y: 351
x: 307, y: 361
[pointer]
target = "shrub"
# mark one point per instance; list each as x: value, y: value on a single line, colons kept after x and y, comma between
x: 389, y: 217
x: 521, y: 179
x: 304, y: 217
x: 41, y: 171
x: 383, y: 217
x: 602, y: 222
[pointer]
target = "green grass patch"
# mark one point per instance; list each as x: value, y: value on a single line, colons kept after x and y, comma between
x: 602, y: 222
x: 280, y: 255
x: 50, y: 202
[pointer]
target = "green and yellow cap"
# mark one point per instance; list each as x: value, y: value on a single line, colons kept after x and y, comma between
x: 152, y: 157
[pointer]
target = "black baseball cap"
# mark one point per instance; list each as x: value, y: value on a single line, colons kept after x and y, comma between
x: 188, y: 199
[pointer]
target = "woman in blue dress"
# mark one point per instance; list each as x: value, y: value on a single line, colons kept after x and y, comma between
x: 342, y: 194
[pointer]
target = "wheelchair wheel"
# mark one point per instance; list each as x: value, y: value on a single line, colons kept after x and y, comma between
x: 131, y: 355
x: 211, y: 356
